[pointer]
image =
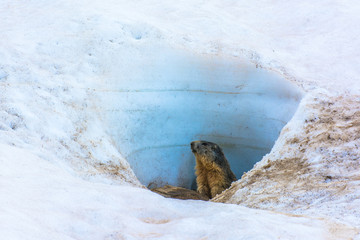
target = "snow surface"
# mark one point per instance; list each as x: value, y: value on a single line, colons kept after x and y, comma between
x: 63, y: 175
x: 313, y: 167
x: 42, y: 201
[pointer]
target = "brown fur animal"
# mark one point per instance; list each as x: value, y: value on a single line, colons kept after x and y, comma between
x: 213, y: 173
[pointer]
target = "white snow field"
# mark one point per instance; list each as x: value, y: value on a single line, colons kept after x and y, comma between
x: 101, y: 98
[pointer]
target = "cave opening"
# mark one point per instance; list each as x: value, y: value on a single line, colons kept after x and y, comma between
x: 159, y: 103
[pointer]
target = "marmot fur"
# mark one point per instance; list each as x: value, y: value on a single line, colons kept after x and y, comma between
x: 213, y: 173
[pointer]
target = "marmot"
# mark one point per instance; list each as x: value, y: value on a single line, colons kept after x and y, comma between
x: 213, y: 173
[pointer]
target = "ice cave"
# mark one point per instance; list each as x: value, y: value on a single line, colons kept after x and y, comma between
x: 170, y: 98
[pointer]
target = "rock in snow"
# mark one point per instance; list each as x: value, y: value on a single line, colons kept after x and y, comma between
x: 179, y: 193
x: 83, y: 84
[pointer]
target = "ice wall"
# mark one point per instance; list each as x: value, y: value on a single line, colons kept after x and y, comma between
x: 159, y: 101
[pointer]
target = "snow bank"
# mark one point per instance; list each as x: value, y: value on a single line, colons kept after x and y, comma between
x: 64, y: 70
x: 46, y: 104
x: 313, y: 167
x: 164, y: 99
x: 40, y: 201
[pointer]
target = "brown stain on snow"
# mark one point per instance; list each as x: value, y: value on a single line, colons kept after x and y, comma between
x: 309, y: 169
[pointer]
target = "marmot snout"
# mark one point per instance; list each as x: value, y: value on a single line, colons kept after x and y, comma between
x: 213, y: 173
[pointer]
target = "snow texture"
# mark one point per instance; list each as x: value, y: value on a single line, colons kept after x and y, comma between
x: 69, y: 71
x: 42, y: 201
x: 313, y: 167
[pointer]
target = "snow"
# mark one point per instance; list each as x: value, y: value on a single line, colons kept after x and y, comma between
x: 176, y: 98
x: 40, y: 200
x: 315, y: 161
x: 46, y: 201
x: 69, y: 69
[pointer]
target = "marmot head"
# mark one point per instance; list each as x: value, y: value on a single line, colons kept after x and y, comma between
x: 209, y: 151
